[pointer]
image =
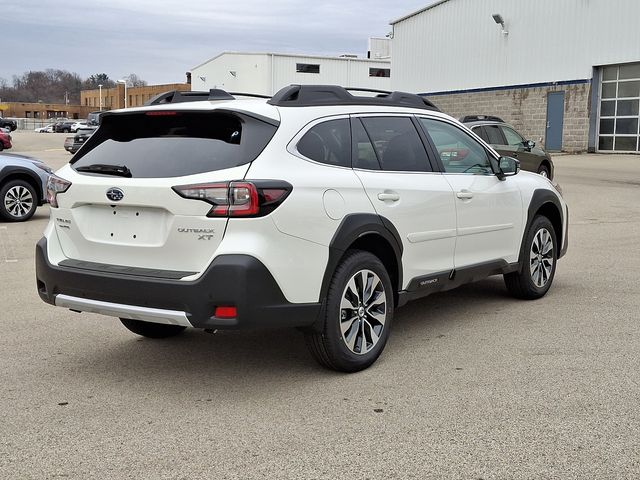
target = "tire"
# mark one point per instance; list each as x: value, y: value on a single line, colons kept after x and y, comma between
x: 1, y: 147
x: 363, y: 320
x: 18, y: 201
x: 539, y: 264
x: 152, y: 330
x: 544, y: 171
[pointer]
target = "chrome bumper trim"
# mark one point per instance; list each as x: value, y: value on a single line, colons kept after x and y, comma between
x: 145, y: 314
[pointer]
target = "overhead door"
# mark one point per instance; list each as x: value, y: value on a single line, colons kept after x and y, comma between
x: 619, y: 109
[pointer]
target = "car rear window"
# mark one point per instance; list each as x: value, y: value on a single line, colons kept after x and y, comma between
x: 173, y: 144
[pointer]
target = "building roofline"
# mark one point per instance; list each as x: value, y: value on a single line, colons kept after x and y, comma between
x: 417, y: 12
x: 295, y: 55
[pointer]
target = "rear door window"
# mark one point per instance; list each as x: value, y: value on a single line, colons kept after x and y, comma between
x: 173, y: 144
x: 494, y: 135
x: 397, y: 144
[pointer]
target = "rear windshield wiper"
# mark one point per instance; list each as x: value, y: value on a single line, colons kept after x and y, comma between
x: 118, y: 170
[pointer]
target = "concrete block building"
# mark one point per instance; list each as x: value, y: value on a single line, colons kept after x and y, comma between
x: 566, y: 73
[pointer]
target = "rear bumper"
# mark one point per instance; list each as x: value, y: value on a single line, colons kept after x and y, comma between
x: 231, y: 280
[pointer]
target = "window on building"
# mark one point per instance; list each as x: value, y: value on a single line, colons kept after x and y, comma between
x: 308, y: 67
x: 458, y: 152
x: 396, y: 143
x: 328, y: 142
x: 619, y: 115
x: 380, y: 72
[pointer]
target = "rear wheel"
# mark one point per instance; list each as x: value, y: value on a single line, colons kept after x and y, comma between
x: 152, y: 330
x: 18, y: 201
x: 358, y: 315
x: 539, y: 263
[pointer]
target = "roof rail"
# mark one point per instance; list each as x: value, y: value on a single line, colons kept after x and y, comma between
x: 319, y: 95
x: 177, y: 96
x: 480, y: 118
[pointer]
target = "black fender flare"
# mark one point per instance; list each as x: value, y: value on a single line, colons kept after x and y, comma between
x: 351, y: 228
x: 14, y: 170
x: 539, y: 198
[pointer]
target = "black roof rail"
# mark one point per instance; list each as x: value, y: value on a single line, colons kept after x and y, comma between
x: 319, y: 95
x: 480, y: 118
x: 177, y: 96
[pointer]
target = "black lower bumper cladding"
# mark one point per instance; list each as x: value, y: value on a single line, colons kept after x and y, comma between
x: 231, y: 280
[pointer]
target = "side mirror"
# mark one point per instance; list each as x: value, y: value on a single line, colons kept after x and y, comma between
x: 529, y: 144
x: 508, y: 167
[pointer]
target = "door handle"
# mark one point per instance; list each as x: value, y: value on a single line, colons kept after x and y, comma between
x: 464, y: 195
x: 394, y: 197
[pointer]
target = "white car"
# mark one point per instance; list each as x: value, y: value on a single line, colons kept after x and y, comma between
x: 78, y: 125
x: 45, y: 129
x: 315, y: 209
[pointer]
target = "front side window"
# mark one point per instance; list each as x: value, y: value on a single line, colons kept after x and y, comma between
x: 397, y: 144
x: 458, y: 152
x: 328, y: 142
x: 513, y: 138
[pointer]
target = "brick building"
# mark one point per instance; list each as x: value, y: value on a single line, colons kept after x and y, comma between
x: 113, y: 98
x: 566, y: 73
x: 42, y: 111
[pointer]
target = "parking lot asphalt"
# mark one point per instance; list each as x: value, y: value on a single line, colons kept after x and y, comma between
x: 473, y: 384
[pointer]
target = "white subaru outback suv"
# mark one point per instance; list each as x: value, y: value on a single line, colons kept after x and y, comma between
x: 316, y: 209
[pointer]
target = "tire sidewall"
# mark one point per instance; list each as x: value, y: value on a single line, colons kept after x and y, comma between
x: 4, y: 214
x: 358, y: 261
x: 539, y: 223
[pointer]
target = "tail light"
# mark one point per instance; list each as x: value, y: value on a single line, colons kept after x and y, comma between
x: 56, y: 185
x: 238, y: 199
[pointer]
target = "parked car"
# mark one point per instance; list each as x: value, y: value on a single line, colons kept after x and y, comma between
x: 507, y: 141
x: 73, y: 144
x: 10, y: 124
x: 45, y: 129
x: 23, y: 183
x: 315, y: 209
x: 63, y: 127
x: 77, y: 125
x: 5, y: 141
x: 93, y: 119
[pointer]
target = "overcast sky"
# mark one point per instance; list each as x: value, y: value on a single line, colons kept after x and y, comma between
x: 162, y: 39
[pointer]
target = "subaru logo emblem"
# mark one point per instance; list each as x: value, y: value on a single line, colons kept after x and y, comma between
x: 115, y: 194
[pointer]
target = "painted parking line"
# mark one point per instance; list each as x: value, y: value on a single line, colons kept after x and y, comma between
x: 54, y: 150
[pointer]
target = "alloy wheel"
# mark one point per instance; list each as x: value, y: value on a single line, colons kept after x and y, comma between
x: 363, y: 312
x: 18, y: 201
x: 541, y: 258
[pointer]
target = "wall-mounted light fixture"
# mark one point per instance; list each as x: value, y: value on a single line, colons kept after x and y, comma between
x: 500, y: 21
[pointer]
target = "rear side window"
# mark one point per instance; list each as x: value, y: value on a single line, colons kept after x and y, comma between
x: 175, y: 144
x: 397, y: 144
x: 328, y: 142
x: 481, y: 133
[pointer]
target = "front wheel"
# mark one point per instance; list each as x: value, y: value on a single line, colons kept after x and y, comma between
x: 539, y: 262
x: 358, y: 315
x: 152, y: 330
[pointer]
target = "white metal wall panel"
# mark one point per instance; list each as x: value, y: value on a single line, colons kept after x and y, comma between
x: 266, y: 73
x: 234, y: 72
x: 457, y: 45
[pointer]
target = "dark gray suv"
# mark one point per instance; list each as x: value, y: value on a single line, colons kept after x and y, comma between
x: 23, y: 186
x: 508, y: 142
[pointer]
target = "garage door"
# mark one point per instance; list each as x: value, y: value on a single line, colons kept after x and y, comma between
x: 619, y: 113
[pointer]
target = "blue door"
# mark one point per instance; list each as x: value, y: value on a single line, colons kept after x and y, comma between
x: 555, y: 120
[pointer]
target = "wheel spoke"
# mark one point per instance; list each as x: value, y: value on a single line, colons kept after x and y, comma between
x: 346, y: 325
